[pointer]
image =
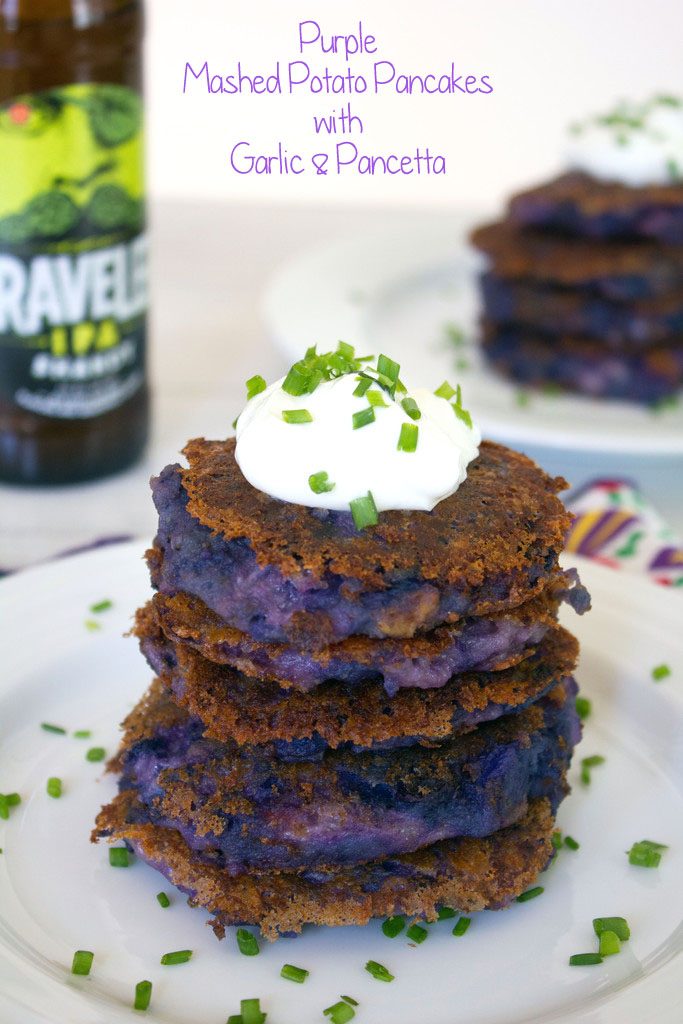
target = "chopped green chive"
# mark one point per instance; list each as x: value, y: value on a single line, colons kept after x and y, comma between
x: 362, y: 387
x: 583, y: 708
x: 119, y: 857
x: 82, y: 734
x: 96, y: 754
x: 584, y: 959
x: 296, y: 382
x: 255, y: 385
x: 587, y: 763
x: 646, y: 854
x: 393, y: 926
x: 375, y: 399
x: 82, y: 962
x: 364, y: 511
x: 609, y: 944
x: 179, y: 956
x: 445, y: 391
x: 13, y: 799
x: 462, y: 925
x: 363, y: 417
x: 416, y: 933
x: 347, y: 351
x: 445, y: 913
x: 457, y: 408
x: 556, y: 840
x: 350, y: 1000
x: 143, y: 995
x: 292, y: 973
x: 378, y: 971
x: 388, y: 368
x: 4, y: 807
x: 454, y: 334
x: 660, y: 672
x: 251, y: 1012
x: 246, y: 942
x: 163, y: 900
x: 320, y: 483
x: 618, y: 925
x: 92, y: 625
x: 410, y: 408
x: 53, y: 728
x: 101, y: 606
x: 407, y: 439
x: 340, y: 1013
x: 530, y: 894
x: 297, y: 416
x: 54, y: 787
x: 571, y: 843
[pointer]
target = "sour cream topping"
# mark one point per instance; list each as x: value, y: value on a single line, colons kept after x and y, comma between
x: 636, y: 144
x: 279, y: 457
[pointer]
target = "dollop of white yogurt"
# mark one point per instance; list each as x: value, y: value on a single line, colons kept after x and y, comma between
x: 279, y: 457
x: 637, y: 145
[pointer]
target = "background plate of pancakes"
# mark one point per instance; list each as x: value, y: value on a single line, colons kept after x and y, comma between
x: 58, y: 892
x: 414, y: 292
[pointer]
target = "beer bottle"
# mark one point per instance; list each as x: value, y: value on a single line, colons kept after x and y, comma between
x: 73, y: 286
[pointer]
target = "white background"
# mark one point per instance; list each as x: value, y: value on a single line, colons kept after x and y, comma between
x: 550, y: 61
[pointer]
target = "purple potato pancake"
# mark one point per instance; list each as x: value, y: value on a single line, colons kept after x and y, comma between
x: 233, y: 706
x: 614, y: 269
x: 307, y: 576
x: 467, y: 874
x: 245, y: 810
x: 483, y: 643
x: 583, y: 365
x: 579, y: 204
x: 564, y: 311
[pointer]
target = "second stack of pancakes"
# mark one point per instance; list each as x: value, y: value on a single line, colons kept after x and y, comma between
x: 345, y: 723
x: 584, y: 290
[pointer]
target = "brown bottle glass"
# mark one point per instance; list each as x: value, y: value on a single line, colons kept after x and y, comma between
x: 74, y: 402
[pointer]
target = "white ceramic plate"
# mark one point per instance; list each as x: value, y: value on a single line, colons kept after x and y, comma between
x: 395, y: 291
x: 58, y: 892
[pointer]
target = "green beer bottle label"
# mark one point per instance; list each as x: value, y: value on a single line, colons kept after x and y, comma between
x: 73, y: 252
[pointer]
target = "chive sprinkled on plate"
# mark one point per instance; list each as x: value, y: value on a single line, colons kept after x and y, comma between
x: 393, y: 926
x: 54, y: 787
x: 251, y: 1012
x: 57, y: 729
x: 178, y: 956
x: 363, y: 417
x: 584, y: 959
x: 556, y: 840
x: 660, y: 672
x: 609, y: 944
x: 364, y: 511
x: 571, y: 843
x: 583, y: 708
x: 101, y: 606
x: 292, y: 973
x: 646, y: 853
x: 410, y: 408
x: 119, y: 857
x: 297, y: 416
x: 13, y: 799
x: 143, y: 995
x: 92, y: 625
x: 350, y: 1000
x: 163, y: 900
x: 587, y: 765
x: 378, y: 971
x: 340, y: 1013
x: 255, y: 385
x: 96, y: 754
x: 82, y: 962
x: 320, y: 482
x: 4, y: 807
x: 446, y: 912
x: 416, y: 933
x: 407, y: 439
x: 461, y: 926
x: 618, y: 925
x: 247, y: 943
x: 530, y: 894
x: 82, y: 734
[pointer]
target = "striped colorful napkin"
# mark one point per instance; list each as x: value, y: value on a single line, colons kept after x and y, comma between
x: 617, y: 526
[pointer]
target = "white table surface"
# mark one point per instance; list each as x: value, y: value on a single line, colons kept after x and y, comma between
x: 210, y: 266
